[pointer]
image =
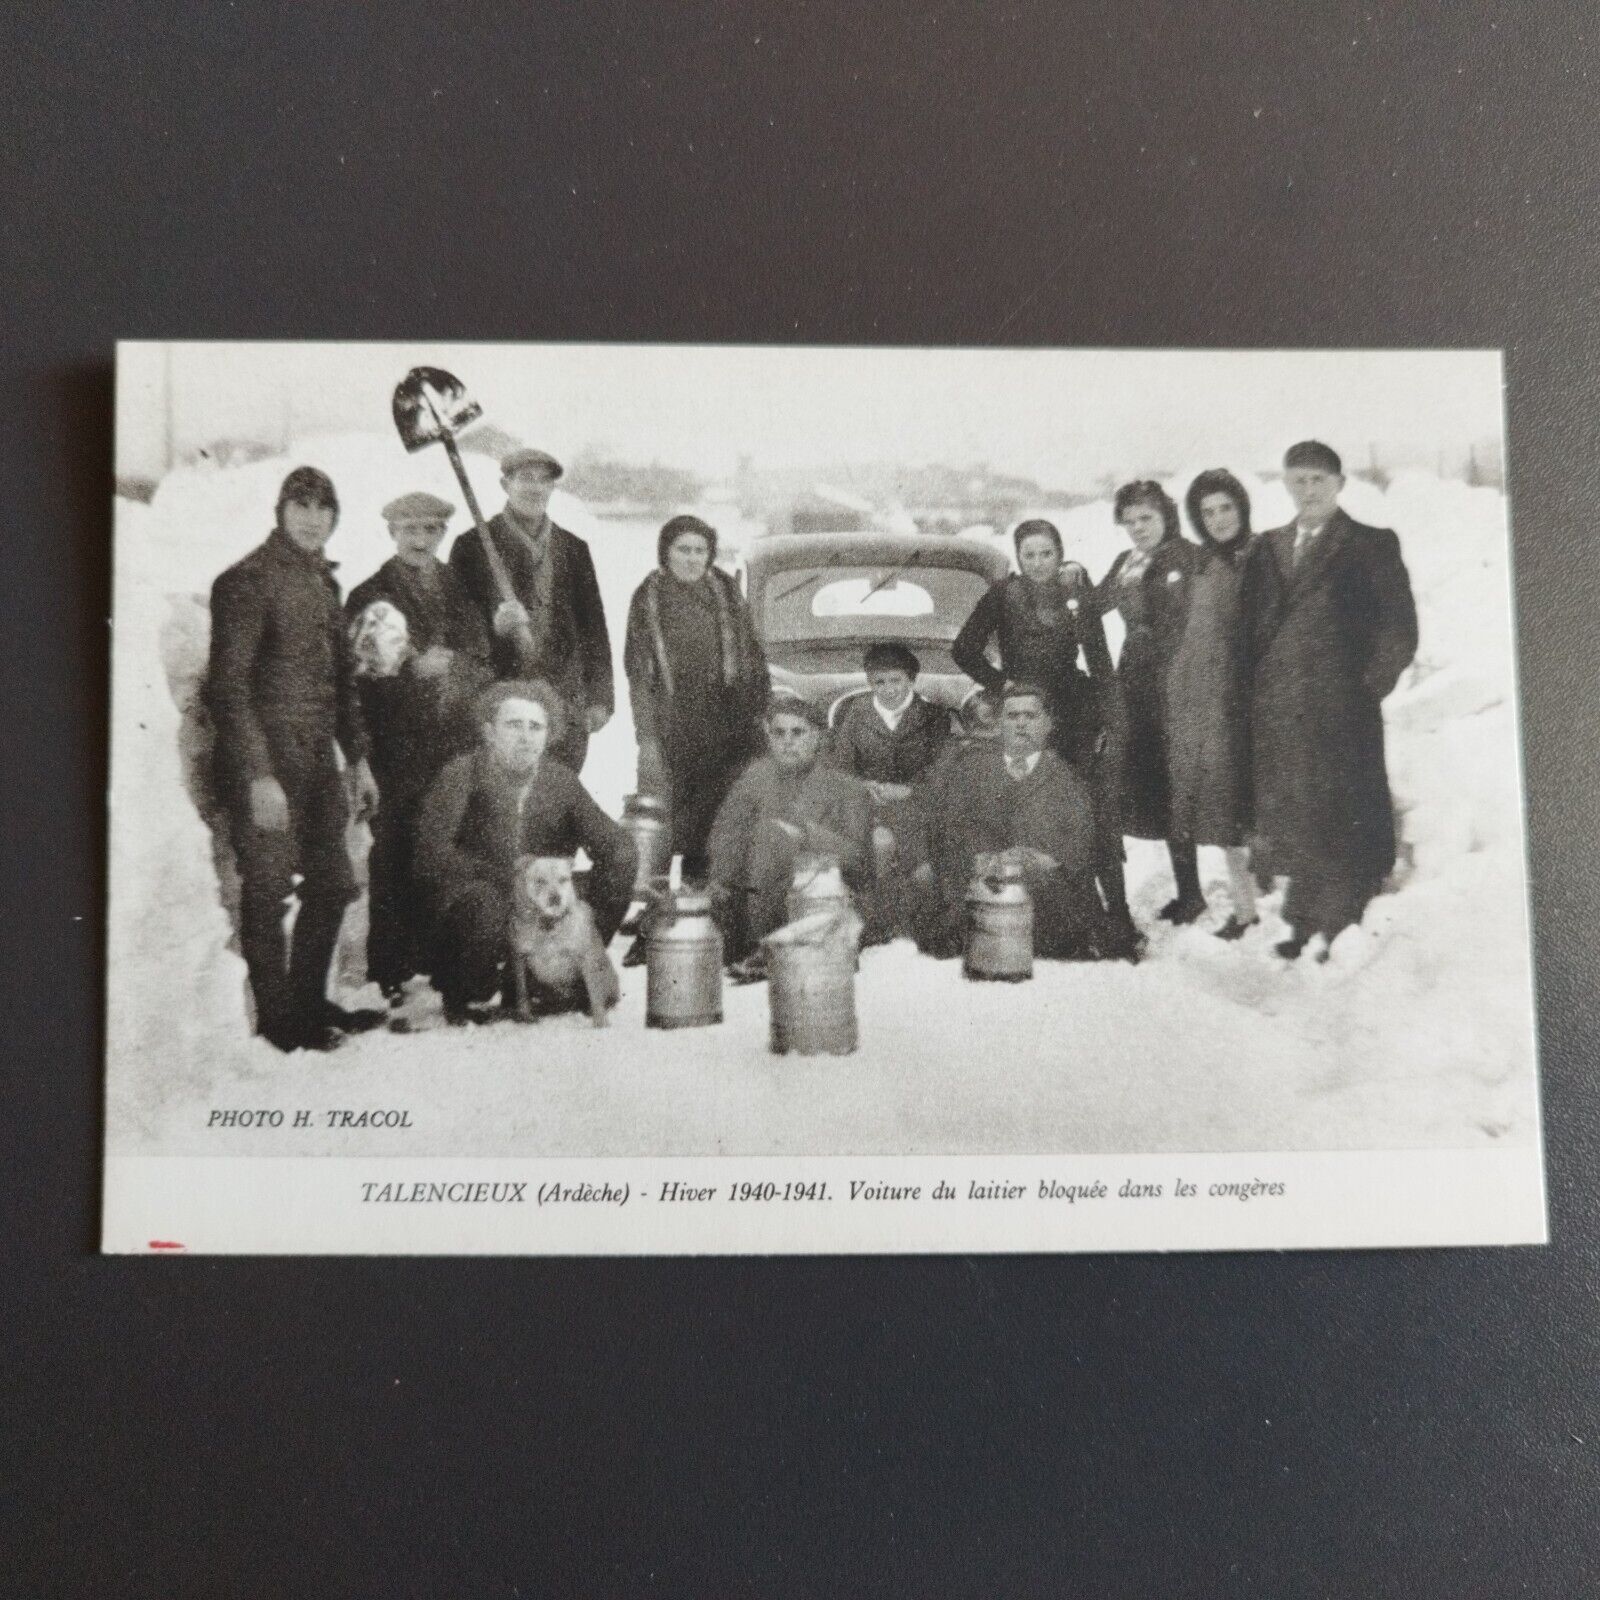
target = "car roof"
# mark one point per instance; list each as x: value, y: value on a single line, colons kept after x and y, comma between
x: 789, y: 552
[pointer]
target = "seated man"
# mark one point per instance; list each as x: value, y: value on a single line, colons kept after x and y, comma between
x: 784, y: 805
x: 1015, y: 795
x: 485, y: 809
x: 891, y: 738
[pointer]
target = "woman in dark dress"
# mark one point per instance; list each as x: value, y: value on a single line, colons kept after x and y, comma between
x: 1208, y: 692
x: 1149, y: 585
x: 698, y: 682
x: 1039, y: 622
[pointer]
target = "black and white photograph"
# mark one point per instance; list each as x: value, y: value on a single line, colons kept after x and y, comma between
x: 604, y: 754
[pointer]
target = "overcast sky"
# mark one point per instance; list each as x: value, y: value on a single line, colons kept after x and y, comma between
x: 1064, y: 416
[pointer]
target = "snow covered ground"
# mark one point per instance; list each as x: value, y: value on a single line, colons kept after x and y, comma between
x: 1417, y: 1031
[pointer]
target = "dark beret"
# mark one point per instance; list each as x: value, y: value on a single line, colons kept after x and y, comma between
x: 1315, y: 454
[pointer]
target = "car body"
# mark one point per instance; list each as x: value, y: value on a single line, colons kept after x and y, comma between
x: 819, y: 599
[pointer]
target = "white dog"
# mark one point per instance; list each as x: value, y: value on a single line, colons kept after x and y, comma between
x: 556, y: 953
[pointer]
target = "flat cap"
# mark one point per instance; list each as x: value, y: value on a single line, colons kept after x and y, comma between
x: 418, y: 506
x: 517, y: 460
x: 1315, y: 454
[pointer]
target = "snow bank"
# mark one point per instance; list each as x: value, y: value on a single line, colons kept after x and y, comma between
x: 1416, y: 1032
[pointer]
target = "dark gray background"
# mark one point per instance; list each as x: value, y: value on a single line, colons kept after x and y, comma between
x: 1133, y: 174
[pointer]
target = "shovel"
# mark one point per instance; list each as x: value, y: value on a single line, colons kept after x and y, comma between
x: 430, y: 407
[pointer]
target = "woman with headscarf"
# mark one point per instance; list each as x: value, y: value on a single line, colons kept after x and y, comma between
x: 1149, y: 585
x: 1039, y: 621
x: 1208, y: 692
x: 698, y: 682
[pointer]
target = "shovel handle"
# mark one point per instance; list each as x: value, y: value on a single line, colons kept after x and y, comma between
x: 523, y: 637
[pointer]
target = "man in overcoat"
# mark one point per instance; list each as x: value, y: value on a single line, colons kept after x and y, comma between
x: 553, y: 627
x: 419, y: 712
x: 785, y: 805
x: 1016, y: 794
x: 1332, y: 626
x: 501, y: 801
x: 282, y: 696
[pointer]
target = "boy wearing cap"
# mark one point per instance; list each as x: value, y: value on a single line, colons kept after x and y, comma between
x: 890, y: 738
x: 282, y: 695
x: 417, y: 705
x: 1332, y: 626
x: 553, y: 625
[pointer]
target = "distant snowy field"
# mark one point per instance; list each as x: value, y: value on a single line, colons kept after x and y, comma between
x: 1417, y: 1032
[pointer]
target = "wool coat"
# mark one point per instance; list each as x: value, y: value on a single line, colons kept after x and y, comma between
x: 1329, y: 637
x: 1208, y: 705
x: 471, y: 833
x: 572, y: 644
x: 977, y: 807
x: 1042, y: 644
x: 1153, y: 607
x: 703, y: 704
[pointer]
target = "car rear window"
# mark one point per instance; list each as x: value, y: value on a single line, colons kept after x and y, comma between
x: 853, y: 602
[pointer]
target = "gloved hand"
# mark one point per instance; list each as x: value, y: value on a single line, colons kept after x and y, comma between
x: 510, y: 616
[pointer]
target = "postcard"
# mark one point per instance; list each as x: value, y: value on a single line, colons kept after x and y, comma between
x: 606, y: 799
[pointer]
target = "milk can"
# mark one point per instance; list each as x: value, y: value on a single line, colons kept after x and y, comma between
x: 818, y: 886
x: 811, y: 984
x: 999, y: 925
x: 683, y: 956
x: 645, y: 817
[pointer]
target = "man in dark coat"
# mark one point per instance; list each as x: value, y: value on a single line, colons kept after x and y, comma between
x: 489, y: 807
x: 891, y: 738
x: 281, y: 693
x: 1017, y: 795
x: 1332, y: 626
x: 553, y: 626
x: 786, y: 804
x: 418, y: 707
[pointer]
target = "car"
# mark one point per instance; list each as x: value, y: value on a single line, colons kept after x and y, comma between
x: 819, y: 599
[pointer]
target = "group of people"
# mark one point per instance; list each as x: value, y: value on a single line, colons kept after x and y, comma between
x: 1243, y: 711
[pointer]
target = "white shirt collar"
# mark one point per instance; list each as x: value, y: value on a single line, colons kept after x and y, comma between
x: 1022, y: 766
x: 891, y: 719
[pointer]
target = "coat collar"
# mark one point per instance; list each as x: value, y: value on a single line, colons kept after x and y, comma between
x: 282, y: 548
x: 1324, y: 546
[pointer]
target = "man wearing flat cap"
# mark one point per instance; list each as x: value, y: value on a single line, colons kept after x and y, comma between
x: 421, y: 651
x: 552, y: 624
x: 784, y: 805
x: 1332, y: 626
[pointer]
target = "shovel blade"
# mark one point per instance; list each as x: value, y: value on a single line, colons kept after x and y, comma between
x: 428, y: 401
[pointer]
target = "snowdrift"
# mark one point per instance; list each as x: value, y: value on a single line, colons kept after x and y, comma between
x: 1417, y: 1032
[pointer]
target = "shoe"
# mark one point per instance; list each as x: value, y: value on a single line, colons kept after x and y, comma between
x: 753, y: 969
x: 1181, y: 912
x: 1233, y: 928
x: 1122, y: 941
x: 1291, y: 947
x: 361, y: 1020
x: 637, y: 952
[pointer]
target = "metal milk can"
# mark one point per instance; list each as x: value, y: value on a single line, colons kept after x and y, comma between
x: 818, y: 886
x: 999, y: 925
x: 683, y: 963
x: 645, y: 817
x: 811, y: 984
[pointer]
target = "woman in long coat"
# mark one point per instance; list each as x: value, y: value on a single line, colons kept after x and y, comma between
x: 1208, y: 692
x: 698, y: 682
x: 1038, y: 621
x: 1149, y: 585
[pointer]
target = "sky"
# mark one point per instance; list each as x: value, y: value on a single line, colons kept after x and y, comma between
x: 1066, y: 417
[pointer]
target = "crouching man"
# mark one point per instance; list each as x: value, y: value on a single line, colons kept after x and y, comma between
x: 486, y: 809
x: 1016, y: 795
x: 786, y: 804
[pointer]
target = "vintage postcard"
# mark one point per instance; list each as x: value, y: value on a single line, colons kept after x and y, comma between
x: 640, y: 799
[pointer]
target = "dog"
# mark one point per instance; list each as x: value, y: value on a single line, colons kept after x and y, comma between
x: 380, y: 641
x: 556, y: 954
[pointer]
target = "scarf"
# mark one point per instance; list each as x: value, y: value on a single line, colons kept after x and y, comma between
x: 538, y: 549
x: 658, y: 640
